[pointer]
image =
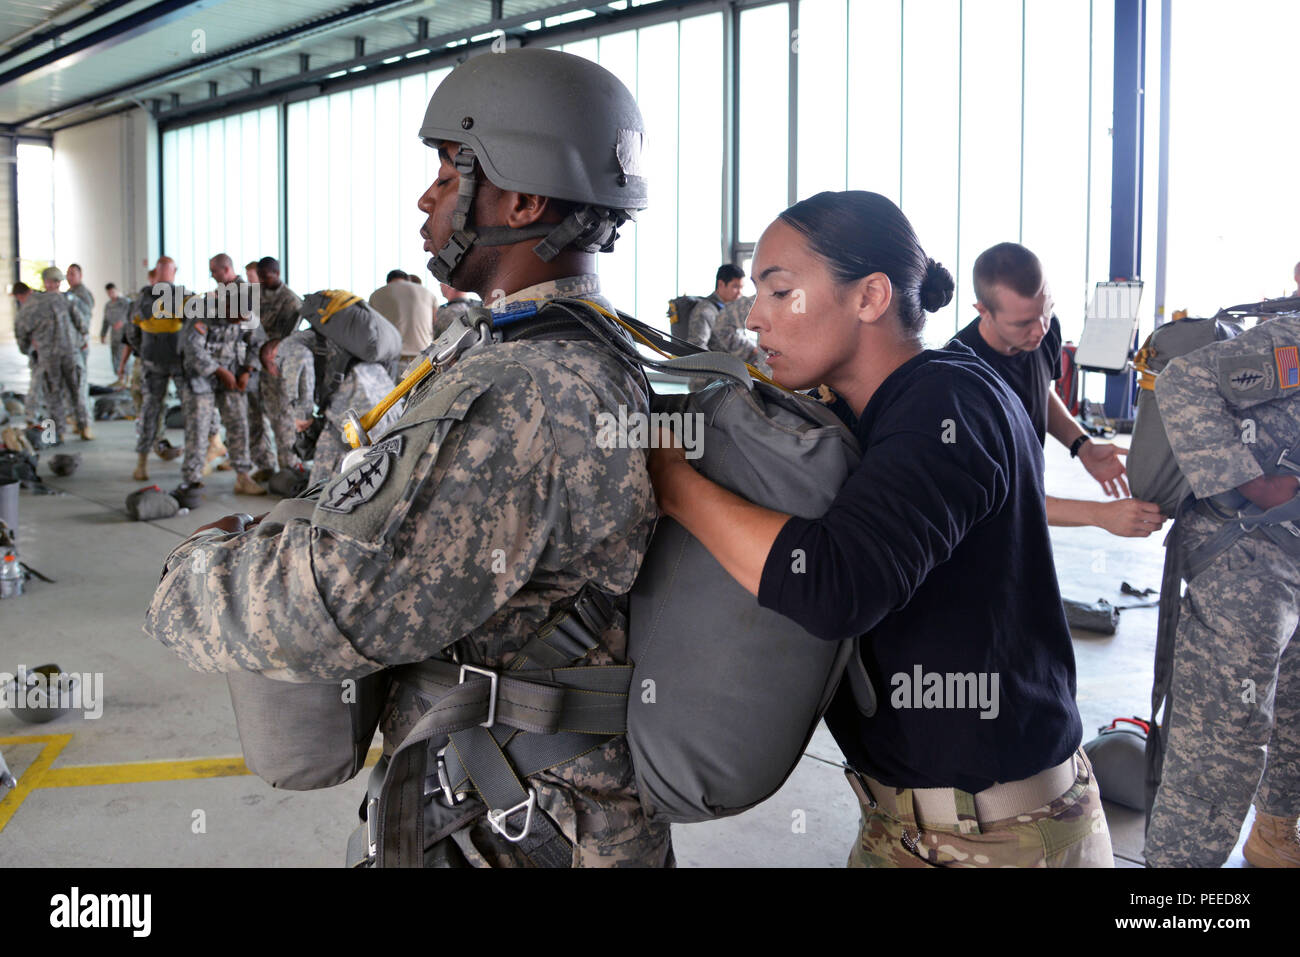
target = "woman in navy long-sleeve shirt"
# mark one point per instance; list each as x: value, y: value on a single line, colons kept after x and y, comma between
x: 936, y: 550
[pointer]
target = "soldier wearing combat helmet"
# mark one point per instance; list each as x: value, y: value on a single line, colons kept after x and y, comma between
x: 483, y: 511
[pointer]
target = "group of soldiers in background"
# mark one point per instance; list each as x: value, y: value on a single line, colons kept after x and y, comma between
x: 53, y: 330
x: 237, y: 359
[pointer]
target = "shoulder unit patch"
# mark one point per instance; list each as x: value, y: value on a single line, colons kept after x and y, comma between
x: 362, y: 481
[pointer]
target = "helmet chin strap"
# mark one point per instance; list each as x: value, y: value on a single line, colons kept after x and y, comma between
x: 586, y: 228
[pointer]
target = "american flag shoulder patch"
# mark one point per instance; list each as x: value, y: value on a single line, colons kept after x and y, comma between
x: 1288, y: 366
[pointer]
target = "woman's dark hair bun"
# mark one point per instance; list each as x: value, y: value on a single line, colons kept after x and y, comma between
x: 936, y: 288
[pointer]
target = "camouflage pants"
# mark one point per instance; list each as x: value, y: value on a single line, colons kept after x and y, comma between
x: 1070, y: 831
x: 34, y: 401
x: 61, y: 380
x: 153, y: 389
x: 200, y: 411
x: 276, y: 409
x: 1235, y: 694
x: 259, y: 447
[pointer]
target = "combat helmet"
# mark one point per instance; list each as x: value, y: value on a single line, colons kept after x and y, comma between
x: 544, y: 122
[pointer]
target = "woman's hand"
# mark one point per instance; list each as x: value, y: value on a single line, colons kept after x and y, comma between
x: 668, y: 471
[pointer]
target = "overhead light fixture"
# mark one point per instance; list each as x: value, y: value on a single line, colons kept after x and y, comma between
x: 533, y: 25
x: 357, y: 69
x: 415, y: 53
x: 335, y: 76
x: 392, y: 59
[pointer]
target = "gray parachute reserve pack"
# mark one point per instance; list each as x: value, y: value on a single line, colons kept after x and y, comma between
x: 352, y: 325
x: 723, y: 695
x: 1153, y: 472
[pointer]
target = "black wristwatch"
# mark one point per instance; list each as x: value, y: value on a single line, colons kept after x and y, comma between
x: 1078, y: 444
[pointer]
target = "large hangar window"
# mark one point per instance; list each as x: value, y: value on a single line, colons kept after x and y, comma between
x: 675, y: 72
x: 357, y: 168
x: 986, y: 120
x: 221, y: 192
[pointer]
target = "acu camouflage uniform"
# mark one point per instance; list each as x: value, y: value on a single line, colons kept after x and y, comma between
x: 49, y: 326
x: 117, y: 313
x: 720, y: 327
x: 364, y: 386
x: 499, y: 504
x: 278, y: 312
x: 453, y: 309
x: 209, y: 344
x: 1230, y: 409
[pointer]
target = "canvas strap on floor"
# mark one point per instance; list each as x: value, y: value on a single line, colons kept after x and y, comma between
x: 486, y: 732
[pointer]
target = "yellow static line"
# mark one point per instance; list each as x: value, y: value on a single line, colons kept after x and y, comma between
x: 52, y: 744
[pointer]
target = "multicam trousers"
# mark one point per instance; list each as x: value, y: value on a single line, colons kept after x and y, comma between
x: 1068, y: 832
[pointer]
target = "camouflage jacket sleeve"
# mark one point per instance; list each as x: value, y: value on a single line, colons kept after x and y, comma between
x: 729, y: 332
x: 80, y: 313
x: 452, y: 514
x: 1205, y: 397
x: 199, y: 361
x: 699, y: 328
x: 24, y: 326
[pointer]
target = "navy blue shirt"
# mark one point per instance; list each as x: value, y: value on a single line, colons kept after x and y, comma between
x: 936, y: 551
x: 1030, y: 374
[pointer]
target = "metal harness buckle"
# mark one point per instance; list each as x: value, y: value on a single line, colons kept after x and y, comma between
x: 497, y: 819
x: 492, y: 693
x: 372, y: 826
x: 449, y: 797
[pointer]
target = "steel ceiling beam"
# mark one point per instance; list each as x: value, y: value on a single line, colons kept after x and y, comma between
x: 98, y: 41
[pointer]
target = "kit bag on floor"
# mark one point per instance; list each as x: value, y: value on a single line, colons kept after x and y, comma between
x: 149, y: 504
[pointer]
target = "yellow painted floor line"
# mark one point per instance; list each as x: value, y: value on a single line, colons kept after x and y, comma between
x: 51, y: 745
x: 40, y: 774
x: 146, y: 772
x: 143, y: 772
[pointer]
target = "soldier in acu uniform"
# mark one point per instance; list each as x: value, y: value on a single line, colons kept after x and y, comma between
x: 487, y: 506
x: 53, y: 328
x: 117, y: 314
x: 216, y: 377
x: 278, y: 307
x: 457, y: 306
x: 1231, y: 411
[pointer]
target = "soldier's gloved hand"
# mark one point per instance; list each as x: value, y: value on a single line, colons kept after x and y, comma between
x: 227, y: 379
x: 241, y: 383
x: 1130, y: 517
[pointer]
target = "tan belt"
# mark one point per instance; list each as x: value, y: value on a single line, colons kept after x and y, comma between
x: 938, y: 806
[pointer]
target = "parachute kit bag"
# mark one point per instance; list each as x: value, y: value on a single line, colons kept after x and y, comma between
x: 149, y: 504
x: 1118, y: 756
x: 302, y: 736
x: 288, y: 483
x: 299, y: 736
x: 113, y: 406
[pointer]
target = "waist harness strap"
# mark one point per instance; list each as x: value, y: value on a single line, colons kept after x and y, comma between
x: 487, y: 730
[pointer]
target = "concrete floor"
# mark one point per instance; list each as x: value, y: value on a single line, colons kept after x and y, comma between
x: 83, y: 813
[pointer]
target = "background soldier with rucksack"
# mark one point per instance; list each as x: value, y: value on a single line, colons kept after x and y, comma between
x: 1229, y: 675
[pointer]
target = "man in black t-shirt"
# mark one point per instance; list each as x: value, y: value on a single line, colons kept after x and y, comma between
x: 1019, y: 337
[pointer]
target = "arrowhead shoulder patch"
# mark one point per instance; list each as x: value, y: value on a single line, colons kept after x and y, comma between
x: 360, y: 483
